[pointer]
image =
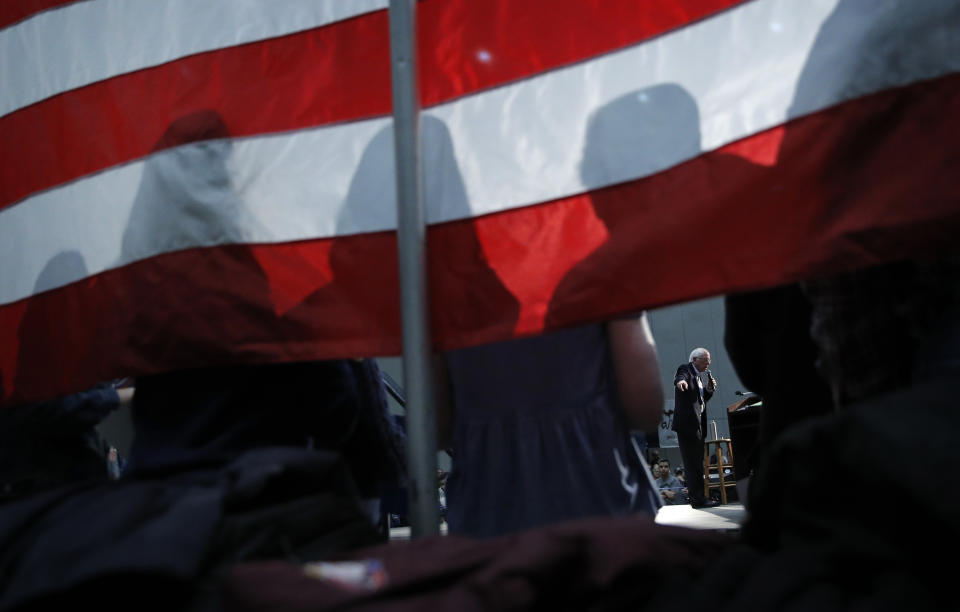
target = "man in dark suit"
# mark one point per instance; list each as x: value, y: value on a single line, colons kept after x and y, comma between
x: 690, y: 420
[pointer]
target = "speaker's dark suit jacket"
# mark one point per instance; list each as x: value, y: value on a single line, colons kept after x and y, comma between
x: 686, y: 404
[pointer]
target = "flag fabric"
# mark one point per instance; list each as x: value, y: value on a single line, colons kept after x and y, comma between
x: 193, y: 183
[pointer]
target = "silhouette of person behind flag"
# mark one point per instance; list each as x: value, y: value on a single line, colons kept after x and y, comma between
x: 465, y: 292
x: 191, y: 293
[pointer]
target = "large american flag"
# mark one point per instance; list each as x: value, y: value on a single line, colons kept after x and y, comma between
x: 186, y: 183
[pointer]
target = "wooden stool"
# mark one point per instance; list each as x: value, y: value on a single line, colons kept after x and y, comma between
x: 718, y: 466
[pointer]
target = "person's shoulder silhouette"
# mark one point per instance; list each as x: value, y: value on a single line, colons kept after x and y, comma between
x: 191, y: 290
x: 466, y: 294
x: 643, y: 208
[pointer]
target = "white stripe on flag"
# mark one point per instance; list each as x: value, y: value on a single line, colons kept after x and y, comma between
x: 86, y: 42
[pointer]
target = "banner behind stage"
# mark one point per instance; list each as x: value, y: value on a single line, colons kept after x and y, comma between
x: 668, y: 437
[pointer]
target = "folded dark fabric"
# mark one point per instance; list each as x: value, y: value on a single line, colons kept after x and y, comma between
x: 208, y: 416
x: 589, y: 564
x: 50, y: 444
x: 159, y: 543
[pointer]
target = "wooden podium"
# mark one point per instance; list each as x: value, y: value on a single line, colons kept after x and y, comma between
x: 743, y: 418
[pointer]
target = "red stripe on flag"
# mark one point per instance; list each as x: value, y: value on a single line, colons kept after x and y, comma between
x: 869, y: 181
x: 468, y: 46
x: 336, y: 73
x: 13, y: 11
x: 305, y: 79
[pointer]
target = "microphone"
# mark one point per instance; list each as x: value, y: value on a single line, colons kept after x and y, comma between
x: 711, y: 378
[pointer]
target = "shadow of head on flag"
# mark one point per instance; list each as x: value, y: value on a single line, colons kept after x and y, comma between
x: 51, y: 328
x: 359, y: 306
x: 657, y: 228
x: 190, y: 291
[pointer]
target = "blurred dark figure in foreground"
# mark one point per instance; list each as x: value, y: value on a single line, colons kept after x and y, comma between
x: 767, y: 335
x: 207, y: 417
x: 815, y: 347
x: 883, y: 365
x: 540, y: 427
x: 49, y: 444
x: 280, y: 461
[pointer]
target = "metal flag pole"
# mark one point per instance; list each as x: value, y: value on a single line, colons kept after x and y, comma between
x: 411, y: 253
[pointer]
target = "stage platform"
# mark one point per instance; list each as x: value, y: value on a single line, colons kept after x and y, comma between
x: 403, y: 533
x: 727, y: 517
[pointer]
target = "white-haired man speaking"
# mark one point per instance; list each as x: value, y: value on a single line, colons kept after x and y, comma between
x: 690, y: 421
